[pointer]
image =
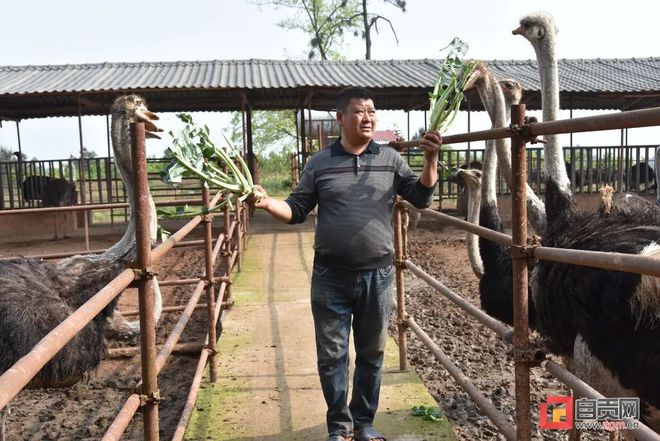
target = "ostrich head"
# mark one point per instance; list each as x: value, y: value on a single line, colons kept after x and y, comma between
x: 471, y: 177
x: 512, y: 90
x: 125, y: 110
x: 484, y: 81
x: 538, y: 28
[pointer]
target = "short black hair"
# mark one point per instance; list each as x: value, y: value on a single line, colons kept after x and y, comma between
x: 348, y: 93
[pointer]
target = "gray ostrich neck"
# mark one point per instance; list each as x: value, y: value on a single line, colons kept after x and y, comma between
x: 547, y: 64
x: 494, y: 102
x: 125, y: 249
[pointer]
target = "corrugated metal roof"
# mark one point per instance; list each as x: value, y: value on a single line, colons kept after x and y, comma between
x: 36, y: 91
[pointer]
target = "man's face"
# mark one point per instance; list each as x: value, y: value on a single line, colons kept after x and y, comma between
x: 358, y: 123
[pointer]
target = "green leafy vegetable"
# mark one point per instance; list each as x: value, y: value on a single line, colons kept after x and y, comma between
x: 448, y: 89
x: 427, y: 413
x: 193, y: 153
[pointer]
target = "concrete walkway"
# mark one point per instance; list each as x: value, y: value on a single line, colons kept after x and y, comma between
x: 268, y: 388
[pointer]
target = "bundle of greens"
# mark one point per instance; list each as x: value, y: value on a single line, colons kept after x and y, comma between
x: 448, y: 90
x: 194, y: 154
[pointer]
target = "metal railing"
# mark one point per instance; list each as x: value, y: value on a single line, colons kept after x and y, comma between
x: 629, y: 168
x: 230, y: 243
x: 524, y: 355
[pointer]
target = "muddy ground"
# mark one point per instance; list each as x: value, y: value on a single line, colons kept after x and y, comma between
x: 84, y: 411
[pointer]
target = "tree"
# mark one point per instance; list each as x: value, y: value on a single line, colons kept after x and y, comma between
x: 7, y: 154
x: 370, y: 21
x: 271, y: 130
x: 324, y: 21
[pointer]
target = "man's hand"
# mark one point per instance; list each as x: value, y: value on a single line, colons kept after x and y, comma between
x: 431, y: 143
x: 261, y: 202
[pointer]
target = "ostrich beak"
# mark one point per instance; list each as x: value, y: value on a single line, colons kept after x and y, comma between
x: 146, y: 116
x: 518, y: 31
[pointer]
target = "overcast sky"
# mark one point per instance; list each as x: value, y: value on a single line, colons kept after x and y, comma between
x: 71, y: 32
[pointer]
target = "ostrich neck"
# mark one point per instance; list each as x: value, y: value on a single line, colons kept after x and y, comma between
x: 121, y: 142
x: 548, y: 73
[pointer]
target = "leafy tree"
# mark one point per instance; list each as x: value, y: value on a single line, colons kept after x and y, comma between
x: 271, y: 130
x: 7, y: 154
x: 324, y: 21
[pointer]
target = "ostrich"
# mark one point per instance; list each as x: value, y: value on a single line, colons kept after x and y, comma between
x: 612, y: 315
x: 496, y: 285
x: 36, y: 295
x: 485, y: 83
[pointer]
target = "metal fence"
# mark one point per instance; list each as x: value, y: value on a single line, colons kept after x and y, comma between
x: 229, y: 246
x: 630, y: 168
x: 524, y: 355
x: 59, y: 182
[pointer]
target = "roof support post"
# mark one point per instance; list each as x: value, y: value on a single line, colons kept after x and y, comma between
x: 251, y: 159
x: 81, y: 170
x: 19, y: 168
x: 303, y: 137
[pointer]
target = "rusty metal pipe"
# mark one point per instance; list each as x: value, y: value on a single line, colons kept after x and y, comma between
x: 497, y: 417
x: 620, y: 120
x: 192, y: 398
x: 400, y: 289
x: 166, y: 309
x: 498, y: 327
x: 20, y: 374
x: 177, y: 282
x: 88, y: 207
x: 210, y: 290
x: 217, y: 247
x: 632, y: 263
x: 163, y: 248
x: 123, y: 419
x: 582, y: 389
x: 180, y: 326
x: 50, y: 256
x: 227, y: 252
x: 145, y: 283
x: 181, y: 348
x: 520, y: 307
x: 239, y: 241
x: 500, y: 238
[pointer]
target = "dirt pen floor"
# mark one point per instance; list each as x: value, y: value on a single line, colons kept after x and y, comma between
x: 84, y: 411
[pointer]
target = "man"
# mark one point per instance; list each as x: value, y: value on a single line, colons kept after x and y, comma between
x: 354, y: 182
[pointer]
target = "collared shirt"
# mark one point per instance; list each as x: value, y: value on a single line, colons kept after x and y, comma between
x: 355, y: 197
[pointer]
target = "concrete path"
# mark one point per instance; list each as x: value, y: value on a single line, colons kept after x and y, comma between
x: 268, y: 388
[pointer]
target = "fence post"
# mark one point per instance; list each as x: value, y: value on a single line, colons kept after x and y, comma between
x: 402, y: 318
x: 227, y: 253
x: 238, y: 234
x: 210, y: 285
x: 520, y: 289
x: 149, y: 394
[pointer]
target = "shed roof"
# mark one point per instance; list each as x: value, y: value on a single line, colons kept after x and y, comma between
x: 221, y: 85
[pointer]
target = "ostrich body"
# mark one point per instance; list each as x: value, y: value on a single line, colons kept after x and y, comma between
x: 614, y: 315
x: 36, y: 295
